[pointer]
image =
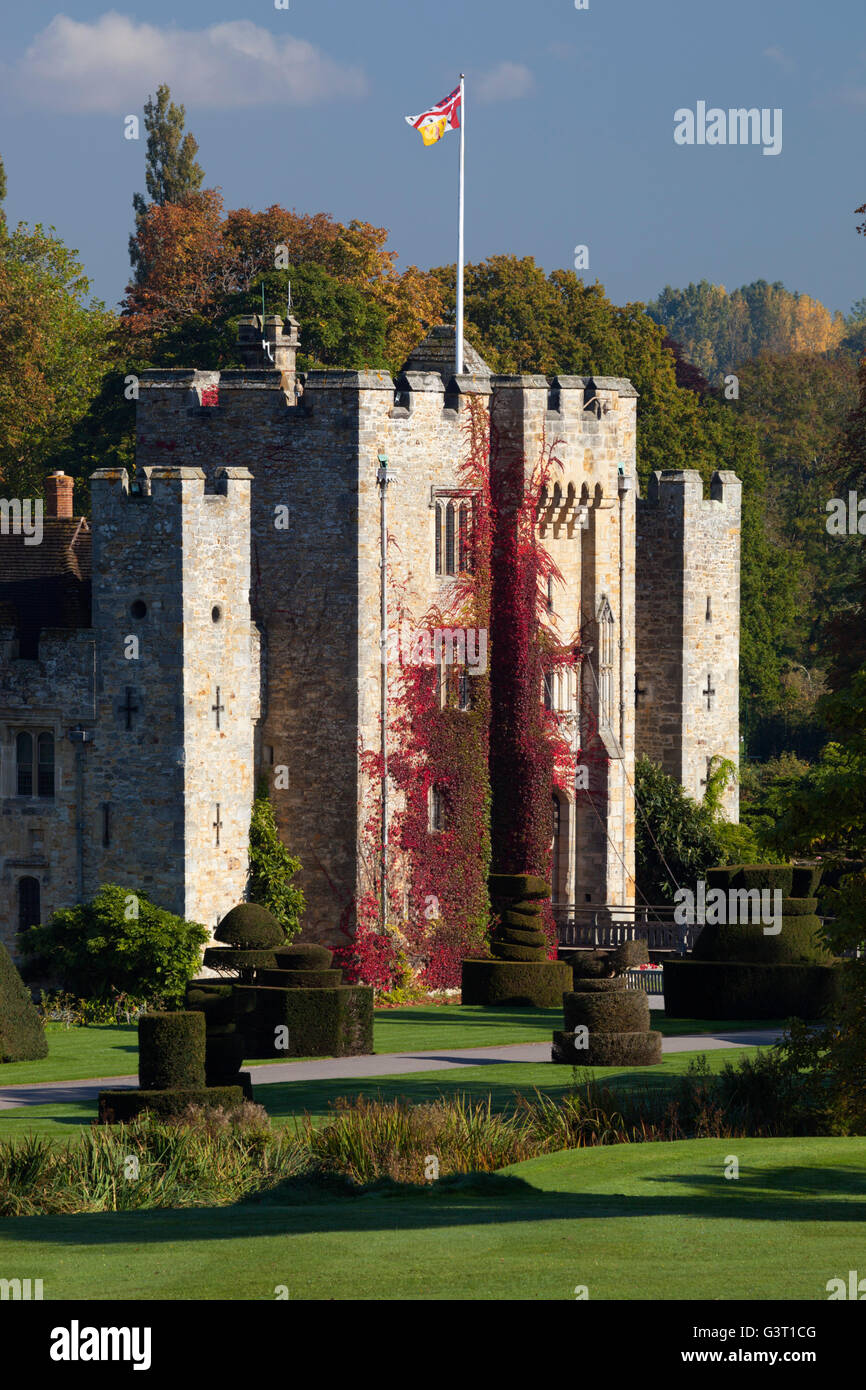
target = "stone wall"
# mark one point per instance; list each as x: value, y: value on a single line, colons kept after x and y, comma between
x: 688, y: 626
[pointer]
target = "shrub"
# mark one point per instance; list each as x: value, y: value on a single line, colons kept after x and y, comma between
x: 22, y: 1036
x: 638, y: 1049
x: 517, y: 886
x: 119, y: 942
x: 304, y: 957
x: 321, y: 1022
x: 272, y: 869
x: 250, y: 927
x: 620, y: 1011
x: 118, y: 1107
x: 171, y: 1050
x: 748, y: 989
x: 538, y: 983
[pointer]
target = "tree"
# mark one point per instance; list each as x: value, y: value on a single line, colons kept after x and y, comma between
x: 121, y: 942
x: 2, y: 199
x: 676, y: 838
x: 272, y: 869
x: 172, y: 172
x: 54, y: 351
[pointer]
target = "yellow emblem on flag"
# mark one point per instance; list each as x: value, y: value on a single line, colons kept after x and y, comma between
x: 434, y: 131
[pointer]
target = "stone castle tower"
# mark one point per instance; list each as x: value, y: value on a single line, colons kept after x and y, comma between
x: 243, y: 560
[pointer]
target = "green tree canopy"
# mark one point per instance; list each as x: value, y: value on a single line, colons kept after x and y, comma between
x: 171, y: 170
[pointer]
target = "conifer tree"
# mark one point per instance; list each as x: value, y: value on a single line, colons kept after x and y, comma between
x: 172, y: 171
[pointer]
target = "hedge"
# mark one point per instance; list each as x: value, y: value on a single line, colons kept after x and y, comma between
x: 796, y: 943
x: 770, y: 876
x: 118, y: 1106
x: 216, y: 1002
x: 738, y: 989
x: 304, y: 957
x: 224, y: 1056
x: 239, y: 958
x: 609, y: 1050
x: 321, y: 1022
x: 511, y: 951
x: 300, y: 979
x: 517, y: 886
x: 171, y: 1050
x: 22, y: 1036
x: 799, y: 907
x: 527, y: 983
x: 620, y: 1011
x: 807, y: 878
x: 525, y: 921
x: 587, y: 985
x: 250, y: 925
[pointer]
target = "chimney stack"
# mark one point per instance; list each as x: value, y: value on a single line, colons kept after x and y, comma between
x: 58, y: 495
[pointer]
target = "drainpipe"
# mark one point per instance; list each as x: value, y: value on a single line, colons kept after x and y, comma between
x: 79, y: 736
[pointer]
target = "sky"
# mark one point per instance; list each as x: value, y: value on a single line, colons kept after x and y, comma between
x: 570, y: 122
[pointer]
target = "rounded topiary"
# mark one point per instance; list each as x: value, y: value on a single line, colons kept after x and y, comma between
x: 616, y: 1011
x: 22, y: 1035
x: 591, y: 965
x: 806, y: 880
x: 529, y: 921
x: 799, y: 907
x: 521, y: 936
x: 609, y: 1049
x: 797, y: 942
x: 770, y: 876
x: 251, y: 927
x: 611, y: 984
x: 517, y: 886
x: 237, y: 958
x: 304, y: 957
x: 171, y: 1051
x: 507, y: 950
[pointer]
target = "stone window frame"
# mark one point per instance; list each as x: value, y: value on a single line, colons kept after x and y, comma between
x: 452, y: 547
x: 37, y: 731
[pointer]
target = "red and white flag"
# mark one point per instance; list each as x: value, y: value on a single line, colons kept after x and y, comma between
x: 434, y: 123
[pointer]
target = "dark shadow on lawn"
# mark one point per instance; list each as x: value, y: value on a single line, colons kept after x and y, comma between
x: 300, y: 1206
x: 758, y: 1185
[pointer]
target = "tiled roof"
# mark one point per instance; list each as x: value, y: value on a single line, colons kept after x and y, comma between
x: 48, y: 584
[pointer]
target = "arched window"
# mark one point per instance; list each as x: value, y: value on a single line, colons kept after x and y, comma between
x: 438, y: 538
x: 464, y: 536
x: 45, y: 765
x: 29, y: 906
x: 450, y: 557
x: 24, y: 764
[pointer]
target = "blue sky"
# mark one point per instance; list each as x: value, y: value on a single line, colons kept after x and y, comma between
x: 570, y: 120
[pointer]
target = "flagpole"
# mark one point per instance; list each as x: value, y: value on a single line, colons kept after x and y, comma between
x: 458, y: 364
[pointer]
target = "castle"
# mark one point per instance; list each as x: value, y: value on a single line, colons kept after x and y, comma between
x: 217, y: 620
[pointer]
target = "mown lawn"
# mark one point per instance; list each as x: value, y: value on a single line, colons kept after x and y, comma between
x: 76, y: 1054
x: 643, y: 1221
x: 500, y: 1080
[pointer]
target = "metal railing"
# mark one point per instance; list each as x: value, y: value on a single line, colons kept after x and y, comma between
x: 608, y: 926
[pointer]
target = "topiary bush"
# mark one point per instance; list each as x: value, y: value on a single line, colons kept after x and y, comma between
x: 250, y: 926
x: 22, y: 1035
x: 320, y: 1022
x: 171, y: 1050
x: 304, y: 957
x: 121, y: 942
x: 749, y: 989
x: 116, y: 1107
x: 538, y: 983
x: 606, y: 1022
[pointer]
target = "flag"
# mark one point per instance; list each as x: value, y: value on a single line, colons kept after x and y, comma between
x: 434, y: 123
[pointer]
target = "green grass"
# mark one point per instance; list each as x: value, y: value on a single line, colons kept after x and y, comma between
x: 644, y: 1221
x: 283, y: 1100
x: 76, y: 1054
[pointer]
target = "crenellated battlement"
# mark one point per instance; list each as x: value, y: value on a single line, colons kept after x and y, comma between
x: 682, y: 491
